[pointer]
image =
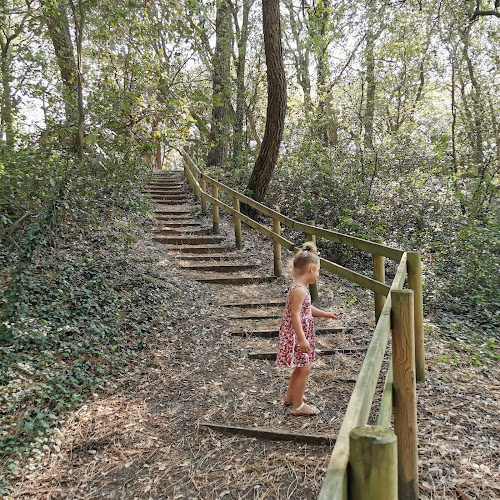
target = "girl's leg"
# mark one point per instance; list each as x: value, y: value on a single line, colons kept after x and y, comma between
x: 297, y: 385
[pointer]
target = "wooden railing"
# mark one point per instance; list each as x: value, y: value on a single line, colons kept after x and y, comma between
x: 350, y: 473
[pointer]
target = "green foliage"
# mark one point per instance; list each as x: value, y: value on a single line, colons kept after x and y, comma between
x: 84, y: 310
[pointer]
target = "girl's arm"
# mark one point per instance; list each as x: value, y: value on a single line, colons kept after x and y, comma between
x: 318, y: 313
x: 297, y: 298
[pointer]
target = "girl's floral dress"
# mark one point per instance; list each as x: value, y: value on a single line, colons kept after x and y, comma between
x: 288, y: 345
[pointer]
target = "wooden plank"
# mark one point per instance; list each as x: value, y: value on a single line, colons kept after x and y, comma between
x: 272, y: 434
x: 271, y: 355
x: 275, y: 332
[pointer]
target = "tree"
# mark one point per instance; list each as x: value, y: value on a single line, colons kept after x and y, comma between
x: 276, y: 102
x: 221, y: 86
x: 13, y: 19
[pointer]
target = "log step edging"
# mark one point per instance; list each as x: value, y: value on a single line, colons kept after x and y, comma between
x: 275, y: 332
x: 271, y: 355
x: 203, y: 249
x: 237, y: 280
x: 254, y: 305
x: 272, y: 434
x: 188, y: 240
x: 223, y: 268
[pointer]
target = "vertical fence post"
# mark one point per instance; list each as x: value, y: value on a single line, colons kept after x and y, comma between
x: 313, y: 289
x: 414, y: 265
x: 379, y: 275
x: 373, y: 464
x: 215, y: 209
x: 404, y: 387
x: 237, y: 224
x: 277, y: 249
x: 203, y: 187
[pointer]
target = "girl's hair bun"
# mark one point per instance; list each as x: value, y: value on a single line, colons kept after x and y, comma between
x: 309, y: 246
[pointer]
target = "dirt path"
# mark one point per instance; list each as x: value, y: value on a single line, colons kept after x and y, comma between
x: 142, y: 438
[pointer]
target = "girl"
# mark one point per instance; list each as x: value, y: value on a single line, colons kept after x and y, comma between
x: 296, y: 347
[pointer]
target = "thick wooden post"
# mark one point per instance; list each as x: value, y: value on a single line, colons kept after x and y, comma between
x: 215, y: 209
x: 373, y: 464
x: 203, y: 187
x: 313, y: 289
x: 414, y: 265
x: 404, y: 390
x: 237, y: 224
x: 379, y: 275
x: 277, y: 249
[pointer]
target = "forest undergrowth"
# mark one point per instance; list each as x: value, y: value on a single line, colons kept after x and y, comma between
x: 74, y: 312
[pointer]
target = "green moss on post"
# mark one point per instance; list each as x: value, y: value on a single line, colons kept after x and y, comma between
x: 373, y: 470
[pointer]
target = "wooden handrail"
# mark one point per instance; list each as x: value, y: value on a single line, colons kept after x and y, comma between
x: 358, y: 410
x: 352, y: 241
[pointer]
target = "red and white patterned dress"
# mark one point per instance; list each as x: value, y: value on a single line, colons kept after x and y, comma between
x: 288, y: 345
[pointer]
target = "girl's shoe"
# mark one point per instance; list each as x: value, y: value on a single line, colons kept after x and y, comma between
x: 296, y: 412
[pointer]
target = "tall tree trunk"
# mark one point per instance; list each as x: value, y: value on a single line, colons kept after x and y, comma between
x: 300, y: 54
x: 7, y: 112
x: 56, y: 18
x: 326, y: 116
x: 242, y: 39
x: 369, y: 112
x: 221, y: 86
x: 276, y: 102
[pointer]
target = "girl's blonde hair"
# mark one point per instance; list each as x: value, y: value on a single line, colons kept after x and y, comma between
x: 305, y: 257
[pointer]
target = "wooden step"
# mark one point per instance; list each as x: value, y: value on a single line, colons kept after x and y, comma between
x: 237, y: 280
x: 271, y: 355
x: 173, y: 211
x: 275, y: 332
x: 189, y: 240
x: 204, y: 249
x: 217, y: 257
x: 180, y: 223
x: 255, y: 305
x: 177, y: 232
x: 220, y: 268
x: 272, y: 434
x: 254, y: 317
x: 175, y: 217
x: 182, y: 201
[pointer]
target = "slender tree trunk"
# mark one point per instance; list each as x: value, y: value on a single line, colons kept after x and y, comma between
x: 7, y: 112
x: 221, y: 87
x: 276, y: 102
x: 57, y: 22
x: 238, y: 138
x: 369, y: 113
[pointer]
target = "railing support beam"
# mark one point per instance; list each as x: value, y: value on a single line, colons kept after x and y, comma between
x: 237, y: 224
x: 215, y: 209
x: 313, y: 289
x: 373, y: 464
x: 379, y: 275
x: 277, y: 249
x: 405, y: 397
x: 415, y: 283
